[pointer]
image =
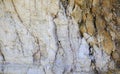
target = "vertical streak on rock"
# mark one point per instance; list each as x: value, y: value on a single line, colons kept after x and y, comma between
x: 3, y: 57
x: 37, y: 54
x: 21, y: 44
x: 16, y: 11
x: 57, y: 42
x: 53, y: 40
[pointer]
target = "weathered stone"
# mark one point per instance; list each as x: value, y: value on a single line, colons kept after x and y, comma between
x: 77, y: 14
x: 90, y: 24
x: 58, y: 37
x: 107, y: 43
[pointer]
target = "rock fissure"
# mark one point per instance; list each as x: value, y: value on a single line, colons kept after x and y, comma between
x: 60, y: 36
x: 20, y: 41
x: 37, y: 55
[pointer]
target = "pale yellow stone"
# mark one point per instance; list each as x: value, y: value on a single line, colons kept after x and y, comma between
x: 107, y: 43
x: 83, y: 29
x: 90, y: 25
x: 77, y: 14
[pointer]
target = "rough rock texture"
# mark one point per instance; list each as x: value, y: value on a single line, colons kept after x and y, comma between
x: 59, y: 36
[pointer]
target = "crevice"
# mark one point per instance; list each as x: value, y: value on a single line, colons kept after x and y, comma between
x: 85, y: 23
x: 69, y: 37
x: 58, y: 45
x: 55, y: 30
x: 65, y: 4
x: 37, y: 52
x: 94, y: 23
x: 21, y: 43
x: 93, y: 61
x: 79, y: 25
x: 16, y: 12
x: 73, y: 7
x: 2, y: 55
x: 57, y: 41
x: 3, y: 61
x: 73, y: 51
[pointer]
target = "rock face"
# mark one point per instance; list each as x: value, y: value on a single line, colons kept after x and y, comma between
x: 59, y: 36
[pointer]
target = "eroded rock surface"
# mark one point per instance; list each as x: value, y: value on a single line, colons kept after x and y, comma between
x: 59, y: 37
